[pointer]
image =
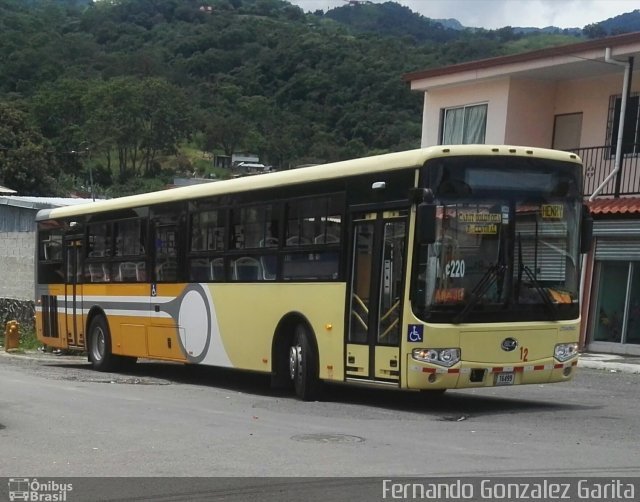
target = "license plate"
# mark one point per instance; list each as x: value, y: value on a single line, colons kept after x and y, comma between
x: 505, y: 378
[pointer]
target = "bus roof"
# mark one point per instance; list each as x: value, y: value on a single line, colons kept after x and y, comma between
x: 364, y: 165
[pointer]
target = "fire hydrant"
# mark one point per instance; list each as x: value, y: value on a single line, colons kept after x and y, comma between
x: 11, y: 335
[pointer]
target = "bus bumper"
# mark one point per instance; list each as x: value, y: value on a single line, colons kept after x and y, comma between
x: 424, y: 376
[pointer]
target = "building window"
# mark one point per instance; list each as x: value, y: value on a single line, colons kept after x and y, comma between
x: 617, y: 312
x: 464, y: 125
x: 631, y: 132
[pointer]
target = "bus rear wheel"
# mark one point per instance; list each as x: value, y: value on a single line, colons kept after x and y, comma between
x: 100, y: 345
x: 303, y: 366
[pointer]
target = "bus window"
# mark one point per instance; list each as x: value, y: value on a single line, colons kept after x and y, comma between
x: 130, y: 237
x: 207, y: 231
x: 99, y: 240
x: 167, y: 229
x: 314, y: 220
x: 50, y: 269
x: 322, y: 266
x: 254, y: 227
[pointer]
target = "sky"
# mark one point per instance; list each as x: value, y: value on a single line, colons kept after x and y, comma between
x: 491, y: 14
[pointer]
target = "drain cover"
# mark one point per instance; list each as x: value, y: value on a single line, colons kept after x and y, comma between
x: 459, y: 418
x: 327, y: 438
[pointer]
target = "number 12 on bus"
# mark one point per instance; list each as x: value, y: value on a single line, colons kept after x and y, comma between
x: 431, y: 269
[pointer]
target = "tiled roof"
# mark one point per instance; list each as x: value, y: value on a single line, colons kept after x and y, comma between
x: 625, y: 205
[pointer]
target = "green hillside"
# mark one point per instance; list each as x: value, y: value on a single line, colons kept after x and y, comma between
x: 143, y: 90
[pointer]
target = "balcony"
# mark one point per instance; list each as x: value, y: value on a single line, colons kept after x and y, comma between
x: 599, y: 161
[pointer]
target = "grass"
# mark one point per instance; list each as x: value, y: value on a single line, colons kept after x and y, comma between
x: 28, y: 338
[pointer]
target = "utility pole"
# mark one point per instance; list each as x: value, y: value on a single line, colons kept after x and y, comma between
x: 85, y: 152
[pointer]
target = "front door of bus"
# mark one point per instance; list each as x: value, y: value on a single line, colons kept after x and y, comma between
x: 74, y: 318
x: 375, y: 299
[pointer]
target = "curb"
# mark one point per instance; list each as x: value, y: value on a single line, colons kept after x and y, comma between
x: 611, y: 367
x: 40, y: 356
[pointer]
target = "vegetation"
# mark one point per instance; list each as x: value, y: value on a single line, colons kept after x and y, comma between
x: 28, y: 339
x: 21, y: 311
x: 124, y: 94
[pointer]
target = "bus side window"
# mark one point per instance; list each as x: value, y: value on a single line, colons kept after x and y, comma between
x: 168, y: 231
x: 50, y: 264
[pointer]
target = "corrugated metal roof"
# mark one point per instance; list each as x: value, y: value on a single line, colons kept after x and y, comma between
x: 625, y: 205
x: 29, y: 202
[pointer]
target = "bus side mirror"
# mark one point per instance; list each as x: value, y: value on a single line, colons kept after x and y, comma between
x: 426, y: 223
x: 586, y: 230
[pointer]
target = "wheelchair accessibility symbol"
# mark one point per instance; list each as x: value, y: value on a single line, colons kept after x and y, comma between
x: 415, y: 333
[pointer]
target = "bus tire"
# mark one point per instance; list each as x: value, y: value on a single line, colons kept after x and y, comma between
x: 303, y: 366
x: 100, y: 355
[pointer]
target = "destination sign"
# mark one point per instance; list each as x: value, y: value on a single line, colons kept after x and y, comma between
x: 552, y: 211
x: 449, y: 295
x: 480, y: 217
x: 486, y: 229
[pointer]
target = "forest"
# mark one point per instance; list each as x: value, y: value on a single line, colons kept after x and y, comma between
x: 123, y: 95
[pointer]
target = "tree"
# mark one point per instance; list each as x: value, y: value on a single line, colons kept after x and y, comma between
x: 225, y: 131
x: 139, y: 118
x: 59, y: 111
x: 594, y: 30
x: 24, y: 159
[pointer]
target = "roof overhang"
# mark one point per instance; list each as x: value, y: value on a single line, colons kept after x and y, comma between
x: 6, y: 191
x: 28, y: 202
x: 566, y: 62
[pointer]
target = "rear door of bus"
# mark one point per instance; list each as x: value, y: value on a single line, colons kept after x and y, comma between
x: 74, y: 315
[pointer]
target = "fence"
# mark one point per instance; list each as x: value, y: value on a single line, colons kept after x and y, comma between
x: 599, y: 161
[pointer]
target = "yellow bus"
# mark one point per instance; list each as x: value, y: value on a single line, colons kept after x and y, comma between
x: 431, y: 269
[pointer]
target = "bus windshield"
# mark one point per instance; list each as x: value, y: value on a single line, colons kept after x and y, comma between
x: 507, y: 243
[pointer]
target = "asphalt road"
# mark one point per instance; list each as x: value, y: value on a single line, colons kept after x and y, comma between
x: 60, y: 418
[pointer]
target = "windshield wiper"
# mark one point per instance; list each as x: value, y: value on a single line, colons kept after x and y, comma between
x: 544, y: 294
x: 483, y: 285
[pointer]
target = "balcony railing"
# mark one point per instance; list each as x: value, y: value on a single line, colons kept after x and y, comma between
x: 599, y: 161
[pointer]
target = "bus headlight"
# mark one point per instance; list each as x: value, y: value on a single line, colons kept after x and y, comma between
x: 442, y: 357
x: 565, y: 351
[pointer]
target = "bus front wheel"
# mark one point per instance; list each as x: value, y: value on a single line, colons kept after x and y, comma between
x: 303, y: 366
x: 100, y: 345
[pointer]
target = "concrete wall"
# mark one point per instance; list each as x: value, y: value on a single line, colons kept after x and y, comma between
x: 17, y: 251
x: 530, y: 113
x: 495, y: 93
x: 591, y: 97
